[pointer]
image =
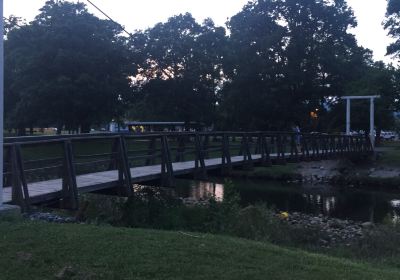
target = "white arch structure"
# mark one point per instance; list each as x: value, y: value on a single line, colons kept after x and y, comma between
x: 371, y: 114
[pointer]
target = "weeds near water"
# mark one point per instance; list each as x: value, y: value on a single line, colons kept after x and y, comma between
x: 154, y: 208
x: 157, y: 209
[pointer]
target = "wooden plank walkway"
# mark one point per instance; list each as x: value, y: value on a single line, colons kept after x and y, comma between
x: 118, y: 152
x: 52, y: 189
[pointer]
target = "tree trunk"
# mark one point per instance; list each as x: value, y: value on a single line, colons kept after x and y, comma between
x: 21, y: 131
x: 378, y: 137
x: 85, y: 128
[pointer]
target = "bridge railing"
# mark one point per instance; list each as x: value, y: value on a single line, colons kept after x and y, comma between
x: 64, y: 159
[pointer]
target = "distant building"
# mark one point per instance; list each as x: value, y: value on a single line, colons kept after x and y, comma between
x: 139, y: 127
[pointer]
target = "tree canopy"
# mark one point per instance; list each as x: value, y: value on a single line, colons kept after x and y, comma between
x: 178, y: 70
x: 288, y: 54
x: 392, y: 24
x: 65, y: 68
x: 278, y: 62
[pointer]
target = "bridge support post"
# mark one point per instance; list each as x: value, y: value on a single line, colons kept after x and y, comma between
x: 317, y: 147
x: 328, y: 144
x: 180, y: 153
x: 151, y: 151
x: 20, y: 193
x: 124, y: 171
x: 205, y: 145
x: 241, y: 147
x: 343, y: 145
x: 247, y: 158
x: 265, y: 152
x: 335, y: 144
x: 305, y: 148
x: 258, y: 147
x: 69, y: 185
x: 368, y: 143
x: 280, y: 150
x: 294, y: 153
x: 226, y: 156
x: 324, y: 147
x: 351, y: 144
x: 167, y: 172
x: 200, y: 166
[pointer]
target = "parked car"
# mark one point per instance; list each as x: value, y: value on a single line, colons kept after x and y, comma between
x: 389, y: 135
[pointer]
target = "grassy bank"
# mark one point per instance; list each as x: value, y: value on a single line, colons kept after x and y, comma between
x: 389, y: 154
x: 42, y: 251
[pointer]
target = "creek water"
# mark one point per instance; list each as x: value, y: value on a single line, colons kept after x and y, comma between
x: 337, y: 202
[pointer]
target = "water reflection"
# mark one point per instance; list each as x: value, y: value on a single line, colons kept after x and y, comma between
x: 340, y: 203
x: 199, y: 190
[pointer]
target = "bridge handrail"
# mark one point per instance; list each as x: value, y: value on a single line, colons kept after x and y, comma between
x: 30, y: 140
x: 124, y: 150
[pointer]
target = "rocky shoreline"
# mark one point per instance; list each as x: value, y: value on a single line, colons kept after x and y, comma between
x: 333, y: 232
x: 342, y: 173
x: 49, y: 217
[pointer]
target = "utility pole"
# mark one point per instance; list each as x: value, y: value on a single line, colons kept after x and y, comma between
x: 372, y: 121
x: 348, y: 116
x: 1, y: 101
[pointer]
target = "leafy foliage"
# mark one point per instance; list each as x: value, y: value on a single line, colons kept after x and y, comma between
x: 279, y: 62
x: 288, y: 58
x: 67, y: 67
x: 179, y: 70
x: 392, y: 24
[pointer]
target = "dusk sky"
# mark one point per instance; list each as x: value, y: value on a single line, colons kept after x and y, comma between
x: 134, y: 14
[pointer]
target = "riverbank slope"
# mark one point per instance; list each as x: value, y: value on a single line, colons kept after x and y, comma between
x: 33, y: 250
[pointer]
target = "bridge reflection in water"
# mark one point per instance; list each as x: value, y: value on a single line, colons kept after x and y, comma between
x: 199, y: 190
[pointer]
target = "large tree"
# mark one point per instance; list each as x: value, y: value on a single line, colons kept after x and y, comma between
x: 65, y: 68
x: 289, y: 57
x: 392, y: 24
x: 179, y: 71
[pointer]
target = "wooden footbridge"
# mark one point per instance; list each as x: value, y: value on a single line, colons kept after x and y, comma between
x: 43, y: 169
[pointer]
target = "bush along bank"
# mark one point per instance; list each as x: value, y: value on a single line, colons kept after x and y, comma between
x: 156, y: 209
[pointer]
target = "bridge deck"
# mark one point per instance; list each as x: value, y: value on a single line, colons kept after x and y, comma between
x: 51, y: 189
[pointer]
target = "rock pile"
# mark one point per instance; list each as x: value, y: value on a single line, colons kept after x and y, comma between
x: 49, y: 217
x: 333, y: 231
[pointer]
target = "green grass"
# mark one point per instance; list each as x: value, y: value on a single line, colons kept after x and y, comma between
x: 389, y: 154
x: 40, y: 251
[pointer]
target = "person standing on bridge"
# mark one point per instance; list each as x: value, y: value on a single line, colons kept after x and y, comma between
x: 297, y: 136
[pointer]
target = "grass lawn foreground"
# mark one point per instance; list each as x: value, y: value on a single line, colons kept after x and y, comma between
x: 32, y: 250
